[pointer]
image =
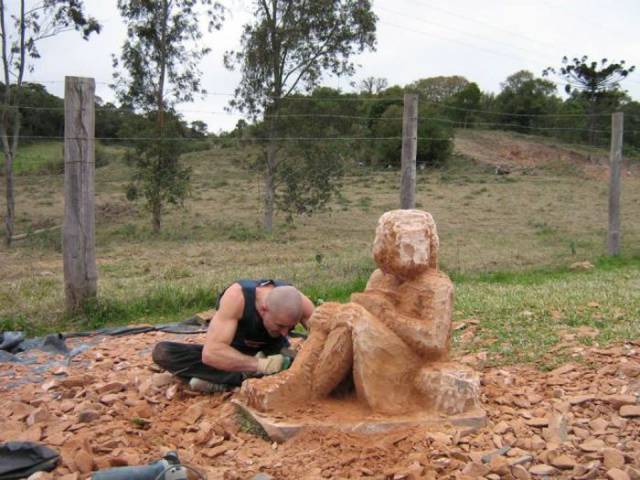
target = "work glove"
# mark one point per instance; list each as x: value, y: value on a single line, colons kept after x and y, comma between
x: 273, y: 364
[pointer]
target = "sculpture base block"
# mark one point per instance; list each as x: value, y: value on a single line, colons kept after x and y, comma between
x: 353, y: 418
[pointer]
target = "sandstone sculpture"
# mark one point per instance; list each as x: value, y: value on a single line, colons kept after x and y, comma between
x: 390, y: 343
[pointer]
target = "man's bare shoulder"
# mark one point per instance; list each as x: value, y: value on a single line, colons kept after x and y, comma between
x: 232, y: 301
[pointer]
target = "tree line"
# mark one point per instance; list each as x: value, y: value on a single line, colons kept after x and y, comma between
x: 283, y: 54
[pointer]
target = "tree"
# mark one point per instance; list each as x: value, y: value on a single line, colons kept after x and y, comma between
x: 438, y: 89
x: 595, y: 82
x: 286, y: 49
x: 199, y: 128
x: 371, y: 85
x: 435, y: 141
x: 160, y: 58
x: 460, y: 106
x: 522, y: 98
x: 21, y: 30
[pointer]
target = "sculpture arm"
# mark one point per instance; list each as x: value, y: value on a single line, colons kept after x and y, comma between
x: 307, y: 310
x: 429, y: 337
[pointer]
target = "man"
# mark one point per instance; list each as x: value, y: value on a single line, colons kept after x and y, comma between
x: 245, y: 336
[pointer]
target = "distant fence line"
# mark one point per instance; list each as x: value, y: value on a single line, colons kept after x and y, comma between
x: 79, y: 165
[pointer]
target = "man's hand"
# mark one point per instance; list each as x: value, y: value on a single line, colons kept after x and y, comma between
x: 272, y: 364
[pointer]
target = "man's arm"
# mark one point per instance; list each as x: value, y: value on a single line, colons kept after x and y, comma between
x: 218, y: 352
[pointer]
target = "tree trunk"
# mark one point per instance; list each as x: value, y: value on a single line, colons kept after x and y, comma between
x: 156, y: 215
x: 11, y: 207
x: 269, y: 187
x: 272, y: 111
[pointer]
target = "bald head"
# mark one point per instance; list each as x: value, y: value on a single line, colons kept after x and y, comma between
x: 285, y: 303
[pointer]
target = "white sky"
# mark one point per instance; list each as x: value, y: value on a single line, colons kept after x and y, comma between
x: 485, y: 41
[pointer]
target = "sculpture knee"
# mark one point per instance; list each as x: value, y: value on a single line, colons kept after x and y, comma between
x: 334, y: 363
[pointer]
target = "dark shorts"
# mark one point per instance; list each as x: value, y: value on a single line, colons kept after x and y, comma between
x: 185, y: 360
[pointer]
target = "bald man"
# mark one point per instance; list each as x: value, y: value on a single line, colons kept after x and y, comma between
x: 244, y: 339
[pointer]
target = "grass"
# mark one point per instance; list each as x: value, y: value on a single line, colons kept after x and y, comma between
x: 522, y: 315
x: 47, y: 158
x: 503, y: 240
x: 39, y: 158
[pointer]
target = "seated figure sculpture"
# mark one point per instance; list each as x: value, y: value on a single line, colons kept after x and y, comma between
x: 391, y: 341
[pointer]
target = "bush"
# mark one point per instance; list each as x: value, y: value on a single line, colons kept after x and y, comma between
x: 102, y: 156
x: 435, y: 141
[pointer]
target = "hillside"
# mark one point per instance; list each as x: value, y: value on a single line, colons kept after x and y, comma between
x: 549, y: 212
x: 519, y: 153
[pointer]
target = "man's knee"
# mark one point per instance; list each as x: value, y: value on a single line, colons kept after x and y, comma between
x: 161, y: 355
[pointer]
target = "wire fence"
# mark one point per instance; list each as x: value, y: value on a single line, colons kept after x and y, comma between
x: 512, y: 193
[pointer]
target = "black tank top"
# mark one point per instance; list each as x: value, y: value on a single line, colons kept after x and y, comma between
x: 251, y: 335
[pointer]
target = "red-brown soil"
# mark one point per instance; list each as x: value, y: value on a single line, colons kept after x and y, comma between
x: 523, y: 155
x: 110, y: 406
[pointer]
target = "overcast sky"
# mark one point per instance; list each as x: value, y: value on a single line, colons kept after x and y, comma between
x: 484, y: 41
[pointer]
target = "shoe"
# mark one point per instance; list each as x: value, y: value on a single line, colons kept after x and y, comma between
x: 204, y: 386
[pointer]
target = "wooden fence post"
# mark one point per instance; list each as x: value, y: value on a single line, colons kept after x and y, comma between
x: 78, y: 231
x: 615, y: 166
x: 409, y: 151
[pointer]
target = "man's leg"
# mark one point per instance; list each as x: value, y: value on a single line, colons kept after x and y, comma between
x: 185, y: 360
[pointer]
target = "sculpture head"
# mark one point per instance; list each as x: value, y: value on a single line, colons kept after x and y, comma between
x: 406, y: 243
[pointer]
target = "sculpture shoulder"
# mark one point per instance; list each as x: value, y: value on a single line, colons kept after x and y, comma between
x: 431, y: 277
x: 381, y: 281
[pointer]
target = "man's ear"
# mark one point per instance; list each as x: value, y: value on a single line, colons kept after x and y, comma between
x: 262, y: 308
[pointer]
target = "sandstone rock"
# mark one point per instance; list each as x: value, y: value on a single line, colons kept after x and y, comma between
x: 542, y: 469
x: 581, y: 399
x: 557, y: 430
x: 112, y: 387
x: 475, y: 469
x: 32, y: 434
x: 56, y: 439
x: 163, y: 379
x: 109, y: 399
x: 171, y: 391
x: 192, y: 414
x: 538, y: 422
x: 215, y: 451
x: 599, y: 426
x: 564, y: 462
x: 618, y: 401
x: 520, y: 473
x: 612, y: 458
x: 630, y: 411
x: 38, y: 415
x: 617, y: 474
x: 634, y: 473
x: 83, y: 461
x: 520, y: 460
x: 77, y: 381
x: 592, y: 445
x: 457, y: 388
x: 502, y: 428
x: 499, y: 465
x: 87, y: 416
x: 67, y: 405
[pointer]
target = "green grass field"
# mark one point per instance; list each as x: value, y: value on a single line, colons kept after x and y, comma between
x: 505, y: 240
x: 39, y: 158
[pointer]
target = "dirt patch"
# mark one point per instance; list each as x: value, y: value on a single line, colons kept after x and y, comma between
x: 577, y: 421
